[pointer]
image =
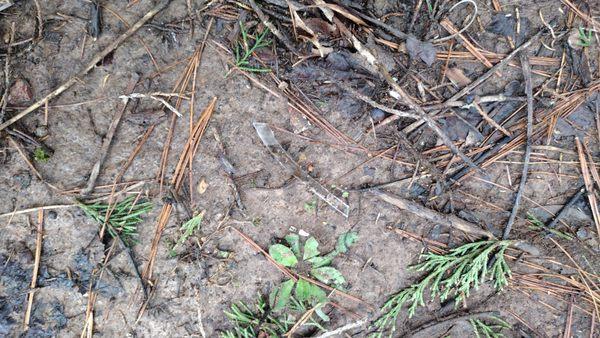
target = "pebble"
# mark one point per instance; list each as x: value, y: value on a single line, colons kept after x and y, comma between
x: 20, y: 92
x: 377, y: 115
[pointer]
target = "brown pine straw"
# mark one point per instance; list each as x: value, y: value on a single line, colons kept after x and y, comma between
x: 589, y: 186
x: 466, y: 42
x: 187, y: 154
x: 563, y: 109
x: 36, y: 268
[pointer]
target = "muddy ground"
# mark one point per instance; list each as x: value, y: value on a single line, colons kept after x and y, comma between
x: 215, y: 267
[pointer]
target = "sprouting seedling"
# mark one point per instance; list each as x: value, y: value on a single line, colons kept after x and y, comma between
x: 123, y: 219
x: 187, y: 229
x: 489, y: 329
x: 585, y: 39
x: 452, y: 275
x: 40, y: 155
x: 244, y: 50
x: 310, y: 206
x: 320, y: 268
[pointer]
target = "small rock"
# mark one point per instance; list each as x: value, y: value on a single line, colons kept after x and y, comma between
x: 20, y: 92
x: 41, y: 131
x: 23, y: 179
x: 377, y: 114
x: 582, y: 233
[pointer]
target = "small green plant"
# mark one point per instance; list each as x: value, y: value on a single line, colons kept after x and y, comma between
x: 318, y: 267
x: 262, y: 321
x: 40, y: 155
x: 310, y: 206
x: 539, y: 225
x: 256, y: 321
x: 450, y: 275
x: 244, y: 50
x: 123, y: 219
x: 187, y: 229
x: 489, y: 330
x: 585, y: 39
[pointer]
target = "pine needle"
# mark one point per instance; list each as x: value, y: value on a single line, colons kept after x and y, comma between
x: 123, y: 219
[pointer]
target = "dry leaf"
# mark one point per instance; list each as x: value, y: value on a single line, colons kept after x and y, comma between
x: 202, y: 186
x: 457, y: 77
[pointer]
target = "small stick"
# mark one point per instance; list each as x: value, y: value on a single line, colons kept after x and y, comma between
x: 529, y: 91
x: 112, y: 129
x: 91, y: 65
x: 567, y: 206
x: 4, y: 100
x: 343, y: 329
x: 36, y: 268
x: 432, y: 215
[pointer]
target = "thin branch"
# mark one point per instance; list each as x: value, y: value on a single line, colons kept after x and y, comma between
x: 529, y: 91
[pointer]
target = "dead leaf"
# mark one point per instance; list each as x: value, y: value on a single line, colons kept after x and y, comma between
x: 298, y: 22
x: 457, y: 77
x: 326, y: 11
x: 421, y: 50
x: 202, y: 186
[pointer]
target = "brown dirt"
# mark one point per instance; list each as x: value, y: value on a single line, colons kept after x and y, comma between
x: 191, y: 290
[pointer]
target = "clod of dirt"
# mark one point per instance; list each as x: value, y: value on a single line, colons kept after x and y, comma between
x: 424, y: 51
x: 20, y: 92
x: 505, y: 24
x: 349, y: 107
x: 338, y: 61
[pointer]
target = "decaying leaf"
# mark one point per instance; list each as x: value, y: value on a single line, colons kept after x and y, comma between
x: 424, y: 51
x: 457, y: 77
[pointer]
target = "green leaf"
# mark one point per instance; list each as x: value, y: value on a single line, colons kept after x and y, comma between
x: 306, y: 291
x: 283, y: 255
x: 328, y: 275
x: 294, y: 242
x: 311, y: 248
x: 345, y: 241
x: 321, y: 314
x: 319, y: 261
x: 280, y: 297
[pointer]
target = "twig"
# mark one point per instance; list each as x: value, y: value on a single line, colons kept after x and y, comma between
x: 4, y: 100
x: 46, y: 207
x: 36, y: 268
x: 343, y: 329
x: 571, y: 202
x: 432, y: 215
x: 153, y: 97
x: 91, y: 65
x: 112, y: 129
x: 486, y: 75
x: 529, y: 91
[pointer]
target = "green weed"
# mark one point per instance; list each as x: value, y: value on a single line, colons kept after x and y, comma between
x: 487, y: 330
x: 244, y: 50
